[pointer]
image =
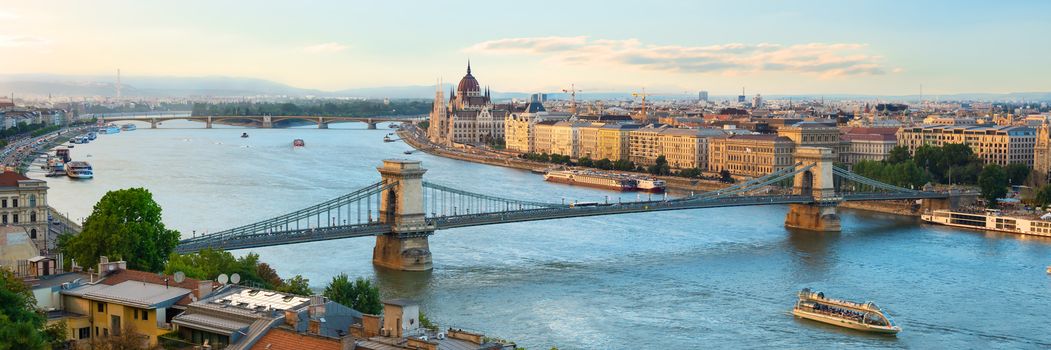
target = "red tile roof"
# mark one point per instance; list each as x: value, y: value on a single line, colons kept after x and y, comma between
x: 11, y: 178
x: 283, y: 339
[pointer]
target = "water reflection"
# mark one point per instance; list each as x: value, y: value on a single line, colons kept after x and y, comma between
x: 814, y: 256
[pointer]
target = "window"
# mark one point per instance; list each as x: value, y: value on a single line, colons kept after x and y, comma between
x: 14, y: 218
x: 84, y: 333
x: 3, y: 202
x: 32, y: 233
x: 145, y: 315
x: 96, y: 331
x: 136, y: 314
x: 101, y: 308
x: 14, y: 202
x: 32, y: 216
x: 32, y: 201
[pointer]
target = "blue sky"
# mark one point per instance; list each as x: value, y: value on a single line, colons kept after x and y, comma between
x: 771, y: 47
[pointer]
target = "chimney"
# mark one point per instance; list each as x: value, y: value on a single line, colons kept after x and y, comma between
x: 291, y: 318
x: 204, y: 287
x: 371, y: 324
x: 314, y: 327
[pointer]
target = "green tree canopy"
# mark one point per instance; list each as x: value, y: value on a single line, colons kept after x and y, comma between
x: 993, y: 184
x: 296, y: 285
x: 898, y: 154
x: 1043, y: 196
x: 125, y: 224
x: 20, y: 323
x: 1017, y: 173
x: 207, y: 264
x: 360, y: 295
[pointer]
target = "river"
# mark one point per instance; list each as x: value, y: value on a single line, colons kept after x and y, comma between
x: 710, y: 278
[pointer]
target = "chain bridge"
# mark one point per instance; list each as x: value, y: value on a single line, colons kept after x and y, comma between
x: 402, y: 210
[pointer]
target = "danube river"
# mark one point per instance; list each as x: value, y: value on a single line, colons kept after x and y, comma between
x: 711, y: 278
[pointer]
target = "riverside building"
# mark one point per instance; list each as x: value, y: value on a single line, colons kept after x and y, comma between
x: 1001, y: 145
x: 750, y: 155
x: 23, y: 204
x: 520, y: 127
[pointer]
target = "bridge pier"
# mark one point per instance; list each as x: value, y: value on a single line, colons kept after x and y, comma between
x: 153, y: 123
x: 406, y: 247
x: 267, y: 122
x: 321, y: 124
x: 371, y: 123
x: 818, y: 182
x: 208, y: 123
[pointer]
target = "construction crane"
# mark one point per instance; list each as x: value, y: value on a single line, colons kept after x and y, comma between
x: 642, y: 94
x: 572, y: 91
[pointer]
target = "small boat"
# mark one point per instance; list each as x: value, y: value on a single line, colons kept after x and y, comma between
x: 298, y: 143
x: 865, y: 317
x: 1049, y: 269
x: 387, y: 139
x: 128, y: 127
x: 650, y: 185
x: 79, y: 170
x: 244, y: 135
x: 407, y: 152
x: 92, y: 135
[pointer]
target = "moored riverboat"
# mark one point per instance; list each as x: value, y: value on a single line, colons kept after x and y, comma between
x: 650, y: 185
x: 592, y: 179
x: 79, y: 170
x: 865, y: 317
x: 991, y: 220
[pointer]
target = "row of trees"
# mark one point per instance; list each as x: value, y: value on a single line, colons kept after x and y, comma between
x: 660, y: 166
x: 357, y: 108
x: 947, y: 164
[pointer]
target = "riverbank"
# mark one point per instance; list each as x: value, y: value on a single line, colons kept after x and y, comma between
x: 20, y: 154
x: 415, y: 137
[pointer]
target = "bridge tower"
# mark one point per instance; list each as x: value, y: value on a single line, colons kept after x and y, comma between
x: 406, y: 248
x: 818, y: 181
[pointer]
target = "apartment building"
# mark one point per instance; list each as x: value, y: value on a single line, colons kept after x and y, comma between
x: 750, y: 155
x: 1000, y: 145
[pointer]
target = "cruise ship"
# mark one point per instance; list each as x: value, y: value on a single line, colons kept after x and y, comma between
x: 865, y: 317
x: 990, y: 219
x: 592, y: 179
x: 650, y: 185
x: 79, y: 170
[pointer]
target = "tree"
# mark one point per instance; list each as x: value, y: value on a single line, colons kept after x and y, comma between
x: 1043, y: 196
x: 268, y: 274
x: 585, y: 161
x: 125, y: 224
x: 725, y: 176
x: 20, y: 323
x: 898, y: 154
x: 1017, y: 173
x: 660, y: 166
x: 360, y: 295
x: 209, y: 263
x: 993, y: 183
x: 296, y: 285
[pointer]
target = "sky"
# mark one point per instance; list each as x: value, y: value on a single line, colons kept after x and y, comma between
x: 769, y: 47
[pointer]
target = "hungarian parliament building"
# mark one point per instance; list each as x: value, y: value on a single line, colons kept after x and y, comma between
x: 468, y: 117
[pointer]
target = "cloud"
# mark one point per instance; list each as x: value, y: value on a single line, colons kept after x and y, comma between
x: 22, y: 41
x: 330, y: 47
x: 827, y: 60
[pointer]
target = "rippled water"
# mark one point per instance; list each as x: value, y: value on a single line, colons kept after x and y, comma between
x: 686, y: 279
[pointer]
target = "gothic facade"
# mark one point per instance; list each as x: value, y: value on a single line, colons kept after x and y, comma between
x: 467, y: 117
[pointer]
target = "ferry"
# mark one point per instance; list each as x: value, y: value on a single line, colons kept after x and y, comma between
x: 55, y: 167
x: 79, y: 170
x: 592, y: 179
x: 298, y: 143
x: 865, y: 317
x: 63, y: 154
x: 990, y: 219
x: 110, y: 129
x: 128, y: 127
x: 650, y: 185
x: 392, y: 125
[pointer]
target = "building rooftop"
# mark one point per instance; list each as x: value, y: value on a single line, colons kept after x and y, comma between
x: 11, y: 179
x: 284, y: 339
x: 138, y: 294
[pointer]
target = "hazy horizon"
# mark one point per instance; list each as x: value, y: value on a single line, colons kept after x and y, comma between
x: 785, y: 48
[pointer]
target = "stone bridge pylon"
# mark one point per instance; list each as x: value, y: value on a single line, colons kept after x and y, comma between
x: 406, y: 247
x: 819, y: 182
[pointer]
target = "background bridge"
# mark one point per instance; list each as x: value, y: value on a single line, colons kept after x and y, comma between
x: 264, y: 121
x: 402, y: 210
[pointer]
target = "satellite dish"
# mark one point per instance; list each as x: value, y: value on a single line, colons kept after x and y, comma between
x: 235, y: 278
x: 223, y: 279
x: 179, y: 276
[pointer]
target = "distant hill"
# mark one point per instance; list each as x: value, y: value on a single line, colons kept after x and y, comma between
x: 162, y: 86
